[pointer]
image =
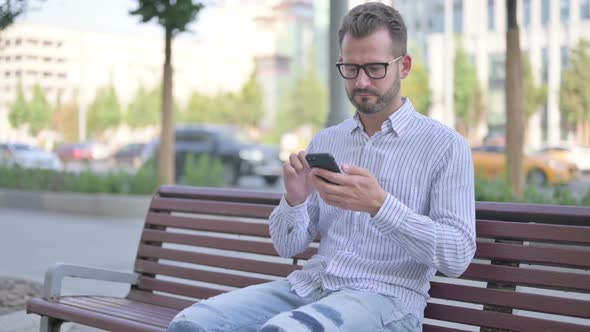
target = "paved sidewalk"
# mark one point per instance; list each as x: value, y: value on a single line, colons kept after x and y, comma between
x: 32, y: 240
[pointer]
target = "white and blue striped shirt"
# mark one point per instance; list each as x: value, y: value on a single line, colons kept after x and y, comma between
x: 427, y: 222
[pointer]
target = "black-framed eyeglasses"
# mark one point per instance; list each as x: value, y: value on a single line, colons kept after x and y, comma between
x: 375, y: 70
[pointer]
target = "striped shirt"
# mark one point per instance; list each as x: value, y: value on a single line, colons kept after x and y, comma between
x: 427, y: 222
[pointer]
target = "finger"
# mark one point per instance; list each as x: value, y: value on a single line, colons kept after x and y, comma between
x: 302, y: 160
x: 355, y: 170
x: 295, y: 162
x: 336, y: 178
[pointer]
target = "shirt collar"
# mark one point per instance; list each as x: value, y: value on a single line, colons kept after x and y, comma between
x: 397, y: 122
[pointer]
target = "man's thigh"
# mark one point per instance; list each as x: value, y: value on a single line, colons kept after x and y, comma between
x: 346, y: 310
x: 244, y: 309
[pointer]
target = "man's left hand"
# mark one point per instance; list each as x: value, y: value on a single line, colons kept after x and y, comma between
x: 355, y: 189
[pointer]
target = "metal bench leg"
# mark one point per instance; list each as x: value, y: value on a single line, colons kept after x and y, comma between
x: 49, y: 324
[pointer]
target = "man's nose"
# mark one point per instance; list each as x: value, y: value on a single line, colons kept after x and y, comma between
x: 362, y: 80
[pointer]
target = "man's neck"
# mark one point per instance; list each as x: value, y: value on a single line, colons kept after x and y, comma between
x: 373, y: 122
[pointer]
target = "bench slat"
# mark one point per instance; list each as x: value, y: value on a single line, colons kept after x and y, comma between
x: 497, y: 319
x: 528, y: 277
x: 249, y: 246
x: 158, y: 299
x: 247, y: 265
x: 435, y: 328
x: 519, y: 300
x: 211, y: 207
x: 538, y: 213
x: 197, y: 292
x: 197, y: 274
x: 87, y: 317
x: 199, y: 223
x: 532, y: 232
x: 571, y: 257
x: 223, y: 194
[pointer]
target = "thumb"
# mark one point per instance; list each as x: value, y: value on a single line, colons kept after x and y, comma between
x: 354, y: 170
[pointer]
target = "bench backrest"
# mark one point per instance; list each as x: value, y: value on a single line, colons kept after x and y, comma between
x: 531, y: 266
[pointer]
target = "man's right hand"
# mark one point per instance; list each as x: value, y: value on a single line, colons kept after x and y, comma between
x: 297, y: 177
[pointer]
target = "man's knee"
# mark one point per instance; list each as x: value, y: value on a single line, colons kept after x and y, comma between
x: 183, y: 325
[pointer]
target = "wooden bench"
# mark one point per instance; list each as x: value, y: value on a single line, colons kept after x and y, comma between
x: 530, y: 272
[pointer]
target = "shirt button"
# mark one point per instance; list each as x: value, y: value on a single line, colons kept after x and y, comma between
x: 357, y: 213
x: 351, y: 249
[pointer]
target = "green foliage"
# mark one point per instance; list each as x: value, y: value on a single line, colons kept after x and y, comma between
x: 66, y: 120
x: 304, y: 103
x: 144, y: 109
x: 535, y: 96
x: 250, y: 102
x: 574, y: 96
x: 10, y: 10
x: 174, y: 16
x: 465, y: 89
x: 37, y: 112
x: 203, y: 171
x: 417, y: 87
x: 19, y: 109
x: 104, y: 112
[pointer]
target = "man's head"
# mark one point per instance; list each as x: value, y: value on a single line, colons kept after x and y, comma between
x: 373, y: 35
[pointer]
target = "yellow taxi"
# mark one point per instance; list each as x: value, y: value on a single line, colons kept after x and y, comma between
x: 490, y: 162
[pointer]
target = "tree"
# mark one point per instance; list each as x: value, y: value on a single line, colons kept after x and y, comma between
x: 19, y: 109
x: 65, y: 119
x: 417, y: 87
x: 144, y: 109
x: 173, y: 16
x: 40, y: 112
x: 535, y: 95
x: 10, y: 10
x: 104, y: 112
x: 464, y: 92
x: 304, y: 103
x: 515, y: 106
x: 250, y: 102
x: 574, y: 96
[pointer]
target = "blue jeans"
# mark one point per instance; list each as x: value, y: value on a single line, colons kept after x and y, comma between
x: 273, y: 306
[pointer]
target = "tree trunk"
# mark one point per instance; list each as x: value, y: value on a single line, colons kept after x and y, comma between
x: 514, y: 103
x: 166, y: 161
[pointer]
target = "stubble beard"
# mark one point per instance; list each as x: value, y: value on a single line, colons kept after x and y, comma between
x: 383, y: 101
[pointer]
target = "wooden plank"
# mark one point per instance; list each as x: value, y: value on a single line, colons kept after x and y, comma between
x: 89, y: 318
x: 533, y: 232
x: 528, y: 277
x: 435, y: 328
x: 538, y: 213
x: 518, y: 300
x: 221, y: 278
x: 201, y: 223
x: 211, y: 207
x: 240, y: 264
x: 176, y: 288
x: 497, y: 319
x: 158, y: 299
x: 221, y: 194
x: 565, y: 257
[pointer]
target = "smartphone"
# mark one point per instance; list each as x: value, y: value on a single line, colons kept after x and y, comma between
x: 322, y: 160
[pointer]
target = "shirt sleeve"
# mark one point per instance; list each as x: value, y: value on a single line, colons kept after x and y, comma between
x: 293, y: 228
x: 445, y: 239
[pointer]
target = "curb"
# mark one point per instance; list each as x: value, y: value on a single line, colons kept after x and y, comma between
x: 19, y: 321
x: 125, y: 206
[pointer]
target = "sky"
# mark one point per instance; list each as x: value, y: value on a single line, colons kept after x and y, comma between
x: 110, y: 16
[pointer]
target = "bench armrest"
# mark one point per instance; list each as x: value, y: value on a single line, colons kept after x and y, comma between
x: 58, y: 271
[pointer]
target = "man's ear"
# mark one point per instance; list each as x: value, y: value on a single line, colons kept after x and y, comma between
x: 406, y: 66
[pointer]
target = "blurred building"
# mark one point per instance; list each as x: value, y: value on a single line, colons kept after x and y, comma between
x: 548, y: 29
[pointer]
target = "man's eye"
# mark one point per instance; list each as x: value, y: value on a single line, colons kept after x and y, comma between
x: 374, y: 68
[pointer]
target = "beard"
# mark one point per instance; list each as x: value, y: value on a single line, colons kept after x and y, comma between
x: 383, y: 100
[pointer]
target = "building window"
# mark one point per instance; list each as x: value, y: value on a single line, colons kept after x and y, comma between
x: 18, y: 41
x: 565, y: 57
x: 497, y: 63
x: 32, y: 41
x: 17, y: 73
x: 564, y: 10
x: 526, y: 13
x: 584, y: 9
x: 458, y: 16
x: 491, y: 15
x: 544, y: 12
x: 61, y: 75
x: 437, y: 16
x: 18, y: 57
x: 545, y: 65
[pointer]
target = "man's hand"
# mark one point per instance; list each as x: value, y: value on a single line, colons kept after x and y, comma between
x: 356, y: 189
x: 297, y: 177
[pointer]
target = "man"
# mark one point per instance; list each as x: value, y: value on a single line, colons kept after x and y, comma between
x: 402, y: 209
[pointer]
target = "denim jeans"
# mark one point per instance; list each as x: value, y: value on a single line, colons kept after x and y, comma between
x: 273, y: 306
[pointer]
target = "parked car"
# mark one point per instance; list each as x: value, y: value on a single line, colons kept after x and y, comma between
x: 28, y: 156
x: 83, y: 152
x: 131, y: 156
x: 490, y: 161
x: 239, y: 156
x: 578, y: 155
